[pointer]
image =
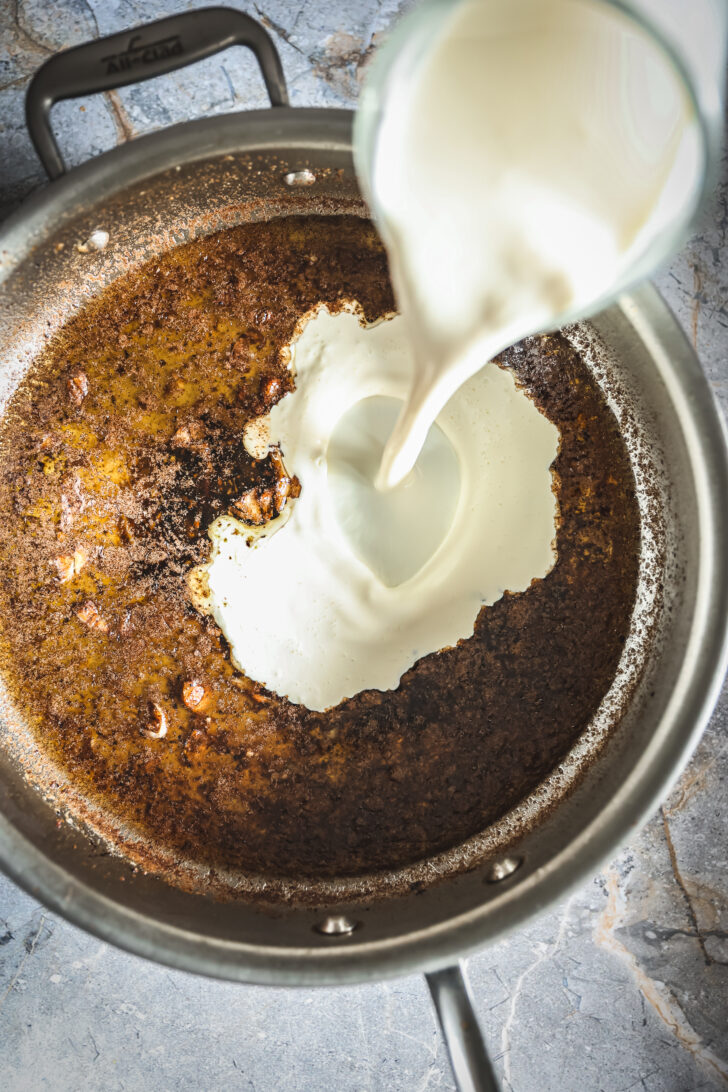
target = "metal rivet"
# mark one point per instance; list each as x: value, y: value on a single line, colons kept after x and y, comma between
x: 336, y: 925
x: 300, y: 178
x: 501, y: 870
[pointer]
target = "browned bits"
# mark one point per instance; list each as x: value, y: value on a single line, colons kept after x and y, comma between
x: 265, y: 500
x: 69, y: 565
x: 157, y: 726
x: 247, y: 508
x: 285, y: 488
x: 262, y: 699
x: 175, y: 385
x: 193, y: 693
x: 276, y: 461
x: 78, y: 387
x: 89, y: 615
x: 257, y: 505
x: 271, y: 391
x: 73, y: 501
x: 182, y: 437
x: 239, y: 354
x: 64, y: 567
x: 195, y: 743
x: 188, y: 435
x: 286, y: 485
x: 125, y: 529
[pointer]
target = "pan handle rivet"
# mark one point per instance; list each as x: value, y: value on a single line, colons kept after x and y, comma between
x: 300, y: 178
x: 336, y: 925
x: 501, y: 870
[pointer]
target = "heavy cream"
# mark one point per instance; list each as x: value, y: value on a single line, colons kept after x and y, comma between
x: 528, y: 154
x: 340, y: 595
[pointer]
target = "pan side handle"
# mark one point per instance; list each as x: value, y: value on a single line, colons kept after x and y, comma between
x: 466, y: 1047
x: 139, y: 54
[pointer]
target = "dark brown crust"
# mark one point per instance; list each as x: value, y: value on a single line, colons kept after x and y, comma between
x: 173, y: 361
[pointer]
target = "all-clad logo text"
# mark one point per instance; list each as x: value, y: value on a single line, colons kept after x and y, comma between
x: 137, y: 53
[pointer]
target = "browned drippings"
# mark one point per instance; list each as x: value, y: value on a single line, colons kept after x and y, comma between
x: 120, y: 448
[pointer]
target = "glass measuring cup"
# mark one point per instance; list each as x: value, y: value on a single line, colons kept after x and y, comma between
x: 690, y: 33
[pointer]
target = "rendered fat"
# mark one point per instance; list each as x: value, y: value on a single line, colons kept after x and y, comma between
x: 310, y: 607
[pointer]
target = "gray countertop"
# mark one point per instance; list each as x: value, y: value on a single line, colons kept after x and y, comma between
x: 624, y: 986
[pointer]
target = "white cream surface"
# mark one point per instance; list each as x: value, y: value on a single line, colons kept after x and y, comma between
x: 339, y: 595
x: 528, y: 155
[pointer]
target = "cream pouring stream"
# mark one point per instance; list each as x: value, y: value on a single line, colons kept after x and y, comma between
x: 525, y: 156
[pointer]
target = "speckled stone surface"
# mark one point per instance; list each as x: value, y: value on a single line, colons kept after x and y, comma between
x: 624, y: 986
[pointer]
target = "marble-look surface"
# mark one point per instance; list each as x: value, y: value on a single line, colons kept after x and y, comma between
x: 624, y: 986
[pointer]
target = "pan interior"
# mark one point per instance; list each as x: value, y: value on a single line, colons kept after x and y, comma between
x: 175, y: 206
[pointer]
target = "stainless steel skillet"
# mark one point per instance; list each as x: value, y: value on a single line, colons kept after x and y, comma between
x: 187, y: 181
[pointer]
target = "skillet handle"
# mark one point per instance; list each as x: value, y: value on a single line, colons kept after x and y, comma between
x: 138, y: 54
x: 466, y: 1047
